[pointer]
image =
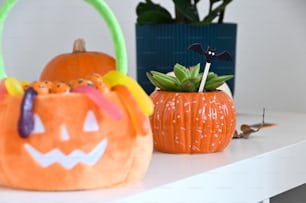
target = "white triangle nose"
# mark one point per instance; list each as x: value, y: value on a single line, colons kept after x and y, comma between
x: 64, y: 133
x: 91, y: 123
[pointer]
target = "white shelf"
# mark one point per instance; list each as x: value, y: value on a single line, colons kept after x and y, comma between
x: 270, y: 162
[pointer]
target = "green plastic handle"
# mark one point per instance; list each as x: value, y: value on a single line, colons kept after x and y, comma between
x: 104, y: 11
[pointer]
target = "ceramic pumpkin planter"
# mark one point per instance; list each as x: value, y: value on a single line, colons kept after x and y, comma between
x: 186, y: 120
x: 58, y: 137
x: 69, y: 66
x: 192, y: 122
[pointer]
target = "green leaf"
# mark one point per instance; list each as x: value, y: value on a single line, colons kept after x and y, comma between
x: 152, y: 80
x: 163, y: 76
x: 213, y: 1
x: 210, y: 76
x: 167, y: 82
x: 143, y: 7
x: 214, y: 13
x: 161, y: 82
x: 188, y: 86
x: 149, y: 13
x: 149, y: 6
x: 181, y: 72
x: 216, y: 82
x: 213, y: 86
x: 188, y: 10
x: 154, y: 17
x: 194, y: 71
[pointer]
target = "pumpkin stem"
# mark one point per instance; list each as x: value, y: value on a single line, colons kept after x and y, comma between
x: 79, y: 46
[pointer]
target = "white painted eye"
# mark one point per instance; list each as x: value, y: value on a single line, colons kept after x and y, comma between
x: 213, y: 53
x: 38, y: 126
x: 91, y: 123
x: 209, y: 52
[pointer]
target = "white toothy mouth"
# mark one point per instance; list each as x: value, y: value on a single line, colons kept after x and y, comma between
x: 70, y: 160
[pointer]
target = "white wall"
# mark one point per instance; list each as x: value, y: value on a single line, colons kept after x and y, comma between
x: 271, y: 57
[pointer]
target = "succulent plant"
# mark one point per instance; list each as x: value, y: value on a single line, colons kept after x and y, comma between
x: 186, y: 79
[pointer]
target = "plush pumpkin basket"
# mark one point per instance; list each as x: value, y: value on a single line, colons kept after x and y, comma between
x: 95, y: 136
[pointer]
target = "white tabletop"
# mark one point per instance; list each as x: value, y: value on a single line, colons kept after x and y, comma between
x: 271, y: 161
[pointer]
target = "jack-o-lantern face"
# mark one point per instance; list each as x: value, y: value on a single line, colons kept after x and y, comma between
x: 68, y: 159
x: 72, y: 138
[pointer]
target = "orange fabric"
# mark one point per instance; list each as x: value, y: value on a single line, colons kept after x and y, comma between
x: 140, y: 121
x: 125, y: 159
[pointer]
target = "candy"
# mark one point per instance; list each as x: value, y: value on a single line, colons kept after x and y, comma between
x: 41, y: 87
x: 139, y: 120
x: 60, y: 87
x: 13, y: 86
x: 114, y: 78
x: 81, y: 81
x: 100, y: 100
x: 2, y: 89
x: 26, y: 119
x: 25, y: 84
x: 98, y: 82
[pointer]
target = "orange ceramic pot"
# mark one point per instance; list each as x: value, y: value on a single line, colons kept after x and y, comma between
x: 192, y: 122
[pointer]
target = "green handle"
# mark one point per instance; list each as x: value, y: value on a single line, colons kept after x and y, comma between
x: 104, y: 11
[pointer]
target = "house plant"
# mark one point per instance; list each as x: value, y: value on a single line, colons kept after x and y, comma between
x: 187, y: 119
x: 161, y: 39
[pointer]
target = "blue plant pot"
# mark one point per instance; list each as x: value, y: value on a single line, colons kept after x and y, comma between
x: 160, y: 47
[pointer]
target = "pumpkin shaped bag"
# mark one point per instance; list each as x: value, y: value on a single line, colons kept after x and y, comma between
x: 57, y: 136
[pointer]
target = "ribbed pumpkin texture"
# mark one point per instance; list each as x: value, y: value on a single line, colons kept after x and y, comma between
x: 79, y: 63
x: 192, y: 122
